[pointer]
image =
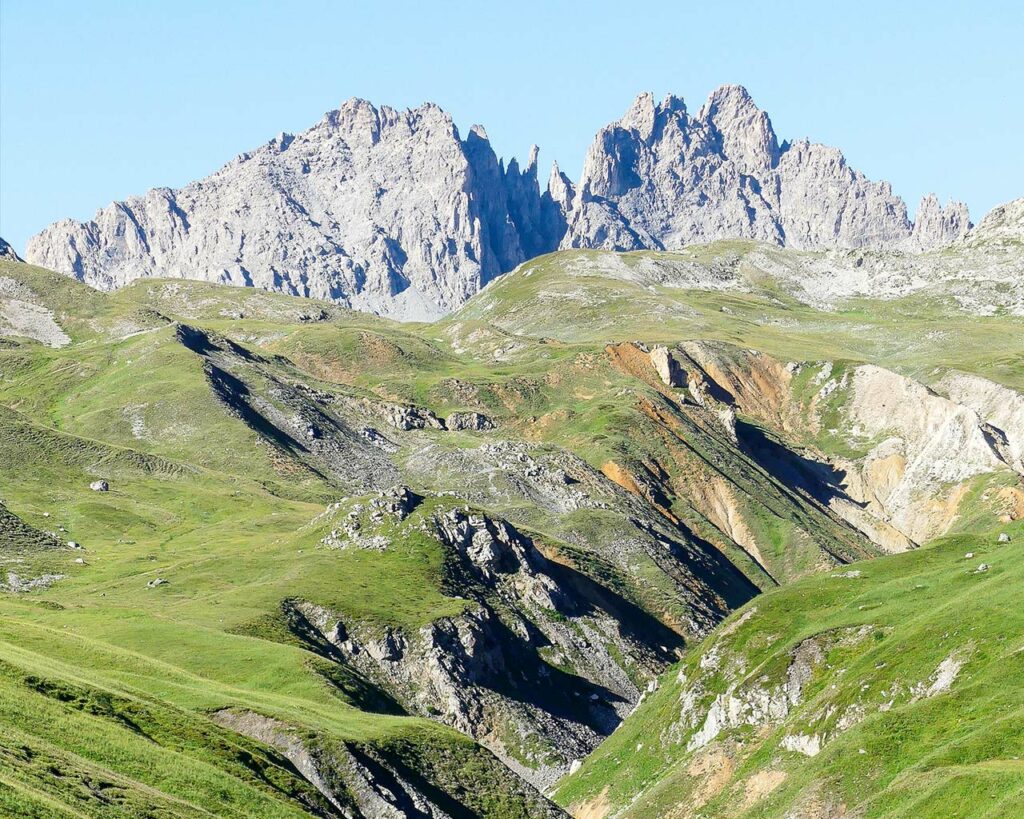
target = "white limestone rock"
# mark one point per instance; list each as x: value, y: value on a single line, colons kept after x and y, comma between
x: 381, y: 210
x: 661, y: 178
x: 1004, y: 224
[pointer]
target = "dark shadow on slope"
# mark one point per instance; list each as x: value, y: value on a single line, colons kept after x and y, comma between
x: 19, y: 538
x: 289, y: 626
x: 206, y: 344
x: 526, y: 677
x: 236, y: 396
x: 590, y: 598
x: 725, y: 587
x: 820, y: 481
x: 386, y: 783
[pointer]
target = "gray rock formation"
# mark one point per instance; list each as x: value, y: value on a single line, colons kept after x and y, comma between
x: 1003, y: 225
x: 937, y: 226
x: 395, y: 213
x: 382, y: 210
x: 7, y: 252
x: 660, y: 178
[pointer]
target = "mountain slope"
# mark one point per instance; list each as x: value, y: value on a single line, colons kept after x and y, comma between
x: 324, y: 562
x: 876, y: 691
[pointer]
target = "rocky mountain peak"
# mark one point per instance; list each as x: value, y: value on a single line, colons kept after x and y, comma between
x: 935, y: 225
x: 1002, y: 224
x: 560, y: 188
x: 747, y: 135
x: 641, y: 115
x: 7, y: 252
x: 661, y: 179
x: 380, y: 209
x: 728, y: 105
x: 394, y: 212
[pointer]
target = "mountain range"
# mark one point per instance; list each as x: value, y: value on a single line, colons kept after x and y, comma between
x: 708, y: 505
x: 396, y: 213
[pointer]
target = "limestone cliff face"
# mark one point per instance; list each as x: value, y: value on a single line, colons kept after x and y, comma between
x: 1002, y: 226
x: 661, y: 178
x: 382, y: 210
x: 394, y: 212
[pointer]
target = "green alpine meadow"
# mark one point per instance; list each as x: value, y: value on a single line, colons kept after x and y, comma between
x: 677, y: 551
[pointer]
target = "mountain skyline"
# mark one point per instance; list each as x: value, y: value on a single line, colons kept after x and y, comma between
x: 532, y: 157
x: 158, y: 97
x: 396, y: 213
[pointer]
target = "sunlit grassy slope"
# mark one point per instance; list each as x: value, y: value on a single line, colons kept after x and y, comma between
x: 590, y: 295
x: 901, y: 751
x: 108, y: 683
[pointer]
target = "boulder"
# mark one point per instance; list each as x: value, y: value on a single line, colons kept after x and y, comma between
x: 468, y: 420
x: 667, y: 367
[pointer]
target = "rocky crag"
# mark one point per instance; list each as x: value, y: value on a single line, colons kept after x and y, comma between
x: 382, y: 210
x: 7, y: 252
x: 395, y: 212
x: 661, y: 178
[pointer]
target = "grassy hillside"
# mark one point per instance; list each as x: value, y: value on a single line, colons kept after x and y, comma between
x: 616, y: 297
x: 905, y: 699
x: 340, y: 558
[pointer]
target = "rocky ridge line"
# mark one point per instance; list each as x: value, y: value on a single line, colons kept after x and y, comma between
x: 394, y: 212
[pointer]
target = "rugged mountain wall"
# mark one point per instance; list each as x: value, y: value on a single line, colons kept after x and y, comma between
x: 7, y: 252
x: 382, y: 210
x: 661, y: 178
x: 1003, y: 225
x: 394, y: 212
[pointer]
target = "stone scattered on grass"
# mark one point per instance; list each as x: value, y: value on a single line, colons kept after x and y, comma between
x: 99, y: 486
x: 158, y: 581
x: 1004, y: 538
x: 15, y: 583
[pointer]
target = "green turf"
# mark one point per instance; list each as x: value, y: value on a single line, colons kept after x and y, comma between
x: 108, y: 684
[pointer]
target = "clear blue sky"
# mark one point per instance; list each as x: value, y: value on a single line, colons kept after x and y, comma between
x: 101, y: 100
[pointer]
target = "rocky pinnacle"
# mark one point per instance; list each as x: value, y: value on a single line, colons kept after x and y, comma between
x: 395, y: 212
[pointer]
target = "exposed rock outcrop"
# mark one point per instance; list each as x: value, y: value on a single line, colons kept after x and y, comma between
x: 360, y: 780
x: 937, y: 226
x: 661, y: 178
x: 918, y: 450
x: 668, y: 368
x: 1004, y: 224
x: 396, y: 213
x: 928, y: 447
x: 382, y: 210
x: 7, y: 252
x: 539, y: 667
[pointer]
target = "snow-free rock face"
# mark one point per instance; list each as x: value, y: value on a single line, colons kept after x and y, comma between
x: 7, y: 252
x: 383, y: 210
x: 1004, y: 224
x: 661, y: 178
x: 395, y: 213
x: 937, y: 226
